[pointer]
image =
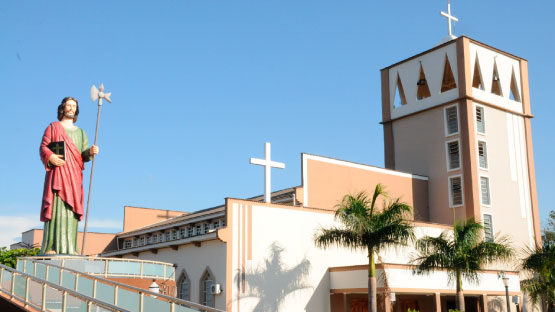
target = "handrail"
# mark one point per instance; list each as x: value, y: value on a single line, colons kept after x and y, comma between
x: 141, y: 291
x: 105, y: 273
x: 65, y: 291
x: 98, y: 258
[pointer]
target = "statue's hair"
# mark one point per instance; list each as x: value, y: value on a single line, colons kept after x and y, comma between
x: 62, y: 106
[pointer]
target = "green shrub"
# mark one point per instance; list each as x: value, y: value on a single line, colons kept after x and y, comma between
x: 9, y: 257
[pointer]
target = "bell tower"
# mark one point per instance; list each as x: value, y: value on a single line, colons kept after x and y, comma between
x: 460, y: 114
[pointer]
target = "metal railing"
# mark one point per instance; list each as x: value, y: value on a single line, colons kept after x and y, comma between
x: 120, y: 295
x: 43, y: 295
x: 109, y: 267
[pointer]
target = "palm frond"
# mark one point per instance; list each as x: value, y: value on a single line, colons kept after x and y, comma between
x: 379, y: 190
x: 339, y: 237
x: 462, y: 253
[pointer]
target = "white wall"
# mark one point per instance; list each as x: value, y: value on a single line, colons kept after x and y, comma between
x: 195, y: 260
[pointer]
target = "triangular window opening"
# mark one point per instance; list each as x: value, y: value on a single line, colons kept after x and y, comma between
x: 477, y: 79
x: 514, y: 95
x: 448, y: 81
x: 496, y: 81
x: 399, y: 93
x: 423, y: 91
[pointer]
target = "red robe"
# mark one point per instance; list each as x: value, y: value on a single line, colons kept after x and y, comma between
x: 67, y: 179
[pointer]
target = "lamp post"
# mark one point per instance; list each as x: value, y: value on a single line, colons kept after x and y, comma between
x: 505, y: 279
x: 516, y: 301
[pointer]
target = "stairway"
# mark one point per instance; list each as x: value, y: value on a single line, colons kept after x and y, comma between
x: 82, y: 284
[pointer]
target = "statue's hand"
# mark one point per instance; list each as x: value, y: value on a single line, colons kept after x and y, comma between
x: 56, y: 160
x: 94, y: 150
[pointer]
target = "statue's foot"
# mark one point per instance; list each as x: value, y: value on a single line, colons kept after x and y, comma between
x: 75, y: 253
x: 50, y: 252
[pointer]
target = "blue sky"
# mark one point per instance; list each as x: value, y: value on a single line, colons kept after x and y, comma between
x: 199, y: 86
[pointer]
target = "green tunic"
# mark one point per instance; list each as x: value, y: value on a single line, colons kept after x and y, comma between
x: 60, y: 233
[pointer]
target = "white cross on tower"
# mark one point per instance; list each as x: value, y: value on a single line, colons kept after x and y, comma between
x: 268, y: 165
x: 449, y: 19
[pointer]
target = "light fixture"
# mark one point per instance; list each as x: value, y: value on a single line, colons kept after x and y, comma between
x: 495, y: 78
x: 421, y: 82
x: 154, y: 288
x: 505, y: 279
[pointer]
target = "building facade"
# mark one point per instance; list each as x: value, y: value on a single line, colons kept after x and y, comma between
x: 458, y: 144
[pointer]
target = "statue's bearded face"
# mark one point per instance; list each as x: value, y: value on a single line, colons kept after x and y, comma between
x: 70, y: 108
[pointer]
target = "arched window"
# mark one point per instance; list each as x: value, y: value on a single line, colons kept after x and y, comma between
x: 206, y: 296
x: 184, y: 287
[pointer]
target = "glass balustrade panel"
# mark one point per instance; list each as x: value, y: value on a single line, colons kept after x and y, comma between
x: 29, y: 267
x: 128, y: 300
x: 85, y: 286
x: 19, y: 265
x: 53, y: 299
x: 7, y: 280
x: 41, y: 271
x: 154, y: 304
x: 179, y: 308
x: 124, y: 268
x: 105, y: 293
x: 35, y: 293
x: 153, y: 270
x: 68, y: 280
x: 97, y: 308
x: 19, y: 286
x: 54, y: 275
x: 75, y: 304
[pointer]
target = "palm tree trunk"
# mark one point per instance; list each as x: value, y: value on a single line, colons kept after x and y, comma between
x: 372, y: 304
x: 460, y: 297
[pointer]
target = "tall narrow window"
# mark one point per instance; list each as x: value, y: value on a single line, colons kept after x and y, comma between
x: 455, y: 185
x: 514, y: 95
x: 168, y: 235
x: 182, y: 233
x: 207, y: 298
x: 198, y: 229
x: 423, y: 91
x: 480, y: 121
x: 190, y: 231
x: 477, y: 77
x: 448, y: 81
x: 184, y: 286
x: 399, y: 99
x: 483, y: 154
x: 453, y: 155
x: 484, y: 187
x: 488, y: 228
x: 495, y: 81
x: 451, y: 120
x: 174, y: 234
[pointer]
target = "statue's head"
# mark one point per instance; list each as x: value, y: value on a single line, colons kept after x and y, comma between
x: 62, y: 108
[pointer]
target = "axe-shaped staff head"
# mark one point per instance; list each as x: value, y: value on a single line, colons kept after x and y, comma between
x: 98, y: 94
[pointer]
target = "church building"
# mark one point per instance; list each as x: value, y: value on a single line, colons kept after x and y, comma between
x: 458, y: 144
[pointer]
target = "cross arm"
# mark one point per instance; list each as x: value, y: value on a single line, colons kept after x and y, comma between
x: 262, y: 162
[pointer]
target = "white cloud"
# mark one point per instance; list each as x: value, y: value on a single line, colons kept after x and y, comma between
x: 11, y: 228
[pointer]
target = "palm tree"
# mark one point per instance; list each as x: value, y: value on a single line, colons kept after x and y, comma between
x: 368, y: 228
x: 462, y: 253
x: 541, y: 286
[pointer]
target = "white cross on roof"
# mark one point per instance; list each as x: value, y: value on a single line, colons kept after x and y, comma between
x: 449, y: 19
x: 268, y: 165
